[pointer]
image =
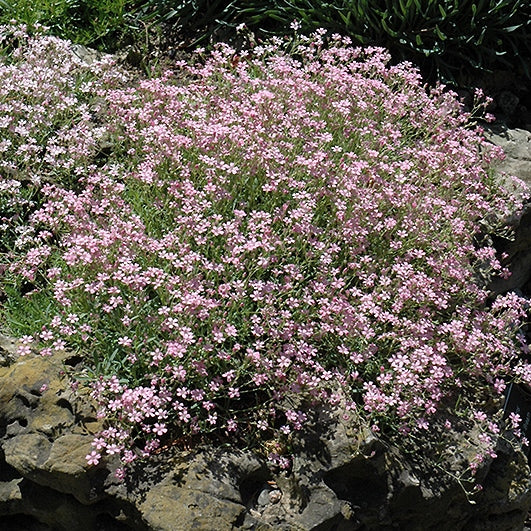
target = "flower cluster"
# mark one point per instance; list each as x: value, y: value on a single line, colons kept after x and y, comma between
x: 269, y: 231
x: 49, y: 129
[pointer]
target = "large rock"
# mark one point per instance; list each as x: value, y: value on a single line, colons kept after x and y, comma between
x: 516, y: 144
x: 8, y: 350
x: 342, y: 478
x: 516, y: 247
x: 45, y: 433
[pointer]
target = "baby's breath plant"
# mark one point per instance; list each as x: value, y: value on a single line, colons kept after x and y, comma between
x: 269, y: 231
x: 49, y: 133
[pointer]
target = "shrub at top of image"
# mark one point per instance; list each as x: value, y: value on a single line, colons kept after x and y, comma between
x: 242, y: 239
x: 106, y: 24
x: 447, y: 38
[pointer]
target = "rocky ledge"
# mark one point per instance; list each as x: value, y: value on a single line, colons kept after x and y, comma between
x: 342, y: 478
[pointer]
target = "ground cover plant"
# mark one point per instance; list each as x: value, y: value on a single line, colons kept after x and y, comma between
x: 250, y: 235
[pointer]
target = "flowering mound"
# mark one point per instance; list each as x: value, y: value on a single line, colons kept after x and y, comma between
x: 246, y: 237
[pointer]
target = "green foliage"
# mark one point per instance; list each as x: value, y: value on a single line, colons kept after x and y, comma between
x: 444, y: 36
x: 91, y: 22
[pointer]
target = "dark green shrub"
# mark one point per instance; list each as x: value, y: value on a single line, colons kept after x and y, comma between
x: 445, y: 37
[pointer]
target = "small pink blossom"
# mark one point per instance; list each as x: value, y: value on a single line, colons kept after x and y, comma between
x: 159, y: 429
x: 515, y: 420
x: 232, y: 425
x: 93, y: 458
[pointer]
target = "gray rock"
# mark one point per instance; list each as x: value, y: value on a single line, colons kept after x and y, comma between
x: 59, y: 465
x: 343, y: 477
x: 516, y: 245
x: 8, y: 350
x: 88, y: 55
x: 169, y: 507
x: 516, y: 143
x: 46, y: 506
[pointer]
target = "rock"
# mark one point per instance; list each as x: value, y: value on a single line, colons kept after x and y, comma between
x: 45, y: 436
x: 516, y: 143
x: 44, y: 441
x: 182, y: 509
x: 27, y: 453
x: 60, y: 465
x: 342, y: 477
x: 516, y: 247
x: 88, y: 55
x: 505, y: 494
x: 8, y: 350
x: 49, y: 507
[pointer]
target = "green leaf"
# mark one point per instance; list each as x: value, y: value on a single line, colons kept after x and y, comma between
x: 387, y: 28
x: 6, y: 5
x: 481, y: 37
x: 510, y: 29
x: 440, y: 34
x: 359, y: 38
x: 345, y: 18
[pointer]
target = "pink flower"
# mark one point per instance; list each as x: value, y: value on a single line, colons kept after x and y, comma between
x: 23, y: 350
x: 515, y: 420
x: 93, y: 458
x: 320, y: 211
x: 262, y: 425
x: 159, y: 429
